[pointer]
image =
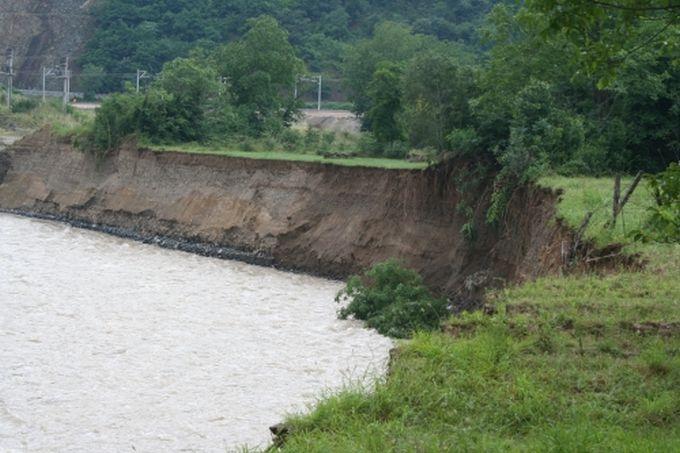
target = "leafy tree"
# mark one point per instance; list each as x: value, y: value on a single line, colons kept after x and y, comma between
x: 116, y: 119
x: 260, y: 70
x: 541, y: 136
x: 609, y: 32
x: 391, y: 43
x: 174, y: 108
x: 132, y: 34
x: 628, y: 126
x: 385, y: 94
x: 93, y: 80
x: 436, y: 93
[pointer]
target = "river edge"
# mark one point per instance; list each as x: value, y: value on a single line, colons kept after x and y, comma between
x: 204, y: 249
x: 378, y: 365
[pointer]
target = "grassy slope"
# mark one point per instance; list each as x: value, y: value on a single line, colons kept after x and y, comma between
x: 52, y: 113
x: 280, y: 155
x: 565, y: 364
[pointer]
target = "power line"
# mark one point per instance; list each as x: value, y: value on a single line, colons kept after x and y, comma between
x: 18, y: 13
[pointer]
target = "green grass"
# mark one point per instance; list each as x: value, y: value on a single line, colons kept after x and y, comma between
x: 292, y: 156
x: 584, y: 194
x: 52, y: 113
x: 577, y: 363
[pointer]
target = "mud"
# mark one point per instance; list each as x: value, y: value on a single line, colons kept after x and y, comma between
x: 319, y: 219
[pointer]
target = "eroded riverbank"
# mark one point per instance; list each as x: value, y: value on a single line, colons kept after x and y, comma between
x: 109, y: 345
x: 319, y: 219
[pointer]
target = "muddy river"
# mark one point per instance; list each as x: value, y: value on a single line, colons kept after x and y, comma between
x: 109, y: 345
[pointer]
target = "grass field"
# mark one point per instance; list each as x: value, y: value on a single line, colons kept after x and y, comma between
x: 577, y: 363
x: 291, y: 156
x: 584, y: 194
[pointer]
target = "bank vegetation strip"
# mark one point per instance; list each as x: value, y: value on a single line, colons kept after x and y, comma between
x: 292, y: 156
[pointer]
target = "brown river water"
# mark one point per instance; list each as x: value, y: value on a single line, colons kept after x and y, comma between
x: 108, y: 345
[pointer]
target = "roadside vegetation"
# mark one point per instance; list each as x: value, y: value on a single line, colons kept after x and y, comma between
x: 28, y: 114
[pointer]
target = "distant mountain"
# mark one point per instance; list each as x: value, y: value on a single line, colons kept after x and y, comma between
x: 131, y: 34
x: 42, y: 33
x: 120, y: 36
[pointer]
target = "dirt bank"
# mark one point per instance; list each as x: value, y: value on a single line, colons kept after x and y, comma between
x: 322, y: 219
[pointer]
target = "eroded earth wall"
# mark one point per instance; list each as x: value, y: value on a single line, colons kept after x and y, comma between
x: 322, y: 219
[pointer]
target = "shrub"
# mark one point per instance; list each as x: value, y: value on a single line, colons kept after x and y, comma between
x: 663, y: 222
x: 24, y: 105
x: 368, y: 145
x: 393, y: 300
x: 327, y: 140
x: 290, y: 139
x: 396, y: 150
x: 312, y: 139
x: 115, y: 120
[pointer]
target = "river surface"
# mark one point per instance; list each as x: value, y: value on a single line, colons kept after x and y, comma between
x: 108, y: 345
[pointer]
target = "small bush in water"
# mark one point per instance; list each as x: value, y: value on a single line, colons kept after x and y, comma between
x: 393, y: 300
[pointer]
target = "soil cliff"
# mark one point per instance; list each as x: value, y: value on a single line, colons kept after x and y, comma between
x: 322, y: 219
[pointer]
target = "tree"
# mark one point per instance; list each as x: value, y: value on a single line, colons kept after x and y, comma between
x: 175, y: 106
x: 391, y: 43
x: 541, y: 136
x: 385, y: 94
x: 436, y: 93
x: 93, y: 80
x: 260, y: 70
x: 611, y: 31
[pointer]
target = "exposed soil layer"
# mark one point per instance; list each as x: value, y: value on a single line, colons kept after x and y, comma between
x: 321, y: 219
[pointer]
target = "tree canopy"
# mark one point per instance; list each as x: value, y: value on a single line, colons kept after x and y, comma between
x: 133, y: 34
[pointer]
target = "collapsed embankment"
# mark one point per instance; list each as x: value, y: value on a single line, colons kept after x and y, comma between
x: 322, y: 219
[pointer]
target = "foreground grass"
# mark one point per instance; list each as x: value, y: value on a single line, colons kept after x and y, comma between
x: 578, y: 363
x: 292, y: 156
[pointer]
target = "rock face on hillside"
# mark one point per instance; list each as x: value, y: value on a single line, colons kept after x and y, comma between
x: 317, y: 218
x: 42, y: 32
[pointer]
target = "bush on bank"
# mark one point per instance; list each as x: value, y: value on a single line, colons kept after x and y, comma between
x: 393, y: 300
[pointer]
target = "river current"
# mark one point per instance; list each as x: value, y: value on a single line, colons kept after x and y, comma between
x: 108, y: 345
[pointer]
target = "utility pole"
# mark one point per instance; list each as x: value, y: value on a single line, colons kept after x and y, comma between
x: 45, y: 74
x: 320, y: 90
x: 66, y: 75
x: 9, y: 70
x: 44, y: 80
x: 141, y: 75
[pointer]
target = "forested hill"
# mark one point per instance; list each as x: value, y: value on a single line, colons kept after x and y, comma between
x: 131, y: 34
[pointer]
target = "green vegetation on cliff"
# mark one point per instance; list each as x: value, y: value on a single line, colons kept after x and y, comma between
x: 577, y: 363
